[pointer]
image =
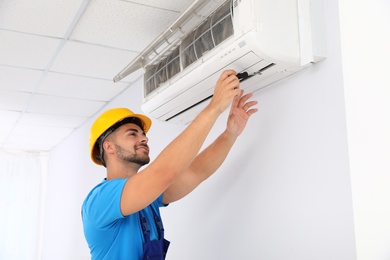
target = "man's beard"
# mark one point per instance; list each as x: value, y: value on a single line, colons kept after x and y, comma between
x: 124, y: 155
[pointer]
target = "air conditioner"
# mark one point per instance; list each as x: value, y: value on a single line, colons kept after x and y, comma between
x: 264, y: 40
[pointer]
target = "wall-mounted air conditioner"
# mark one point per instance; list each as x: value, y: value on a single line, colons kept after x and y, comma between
x: 267, y: 39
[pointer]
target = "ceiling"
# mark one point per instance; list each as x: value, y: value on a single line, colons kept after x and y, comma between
x: 58, y: 60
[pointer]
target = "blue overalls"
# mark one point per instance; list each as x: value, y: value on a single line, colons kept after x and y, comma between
x: 154, y: 249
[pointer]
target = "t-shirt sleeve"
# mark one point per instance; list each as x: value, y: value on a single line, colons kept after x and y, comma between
x: 102, y: 207
x: 159, y: 201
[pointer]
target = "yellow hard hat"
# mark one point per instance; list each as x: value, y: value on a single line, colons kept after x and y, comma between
x: 106, y: 121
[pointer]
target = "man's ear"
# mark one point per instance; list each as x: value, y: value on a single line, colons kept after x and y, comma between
x: 108, y: 147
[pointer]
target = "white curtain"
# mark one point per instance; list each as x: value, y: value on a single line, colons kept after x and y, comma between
x: 22, y: 186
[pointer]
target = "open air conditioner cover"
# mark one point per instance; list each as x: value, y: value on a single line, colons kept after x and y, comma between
x: 268, y: 40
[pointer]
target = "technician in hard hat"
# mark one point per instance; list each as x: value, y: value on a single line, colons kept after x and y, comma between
x: 121, y: 215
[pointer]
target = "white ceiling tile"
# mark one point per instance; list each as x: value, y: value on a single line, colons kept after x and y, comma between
x: 3, y: 138
x: 27, y: 130
x: 91, y: 60
x: 17, y: 79
x: 12, y: 100
x: 80, y: 87
x: 6, y: 128
x: 175, y: 5
x: 25, y: 50
x: 52, y: 120
x: 44, y: 17
x: 51, y: 105
x: 122, y: 24
x: 10, y: 117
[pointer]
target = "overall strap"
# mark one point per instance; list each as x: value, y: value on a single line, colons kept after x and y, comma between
x: 155, y: 249
x: 145, y: 225
x: 158, y: 221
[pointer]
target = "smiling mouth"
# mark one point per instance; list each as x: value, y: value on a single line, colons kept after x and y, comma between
x: 145, y: 148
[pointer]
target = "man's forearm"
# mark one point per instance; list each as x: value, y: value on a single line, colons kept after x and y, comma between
x: 186, y: 146
x: 209, y: 160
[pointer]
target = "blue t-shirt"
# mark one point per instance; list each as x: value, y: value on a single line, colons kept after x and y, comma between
x: 109, y: 234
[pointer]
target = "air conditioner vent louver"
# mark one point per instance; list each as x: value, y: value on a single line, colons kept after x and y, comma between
x: 215, y: 29
x: 209, y: 34
x: 161, y: 72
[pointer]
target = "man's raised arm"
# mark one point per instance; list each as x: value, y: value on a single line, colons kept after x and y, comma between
x: 208, y: 161
x: 180, y: 153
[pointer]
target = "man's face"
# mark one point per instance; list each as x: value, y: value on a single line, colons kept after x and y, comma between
x: 131, y: 144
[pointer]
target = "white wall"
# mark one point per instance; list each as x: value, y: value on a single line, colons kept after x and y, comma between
x: 283, y: 193
x: 365, y: 42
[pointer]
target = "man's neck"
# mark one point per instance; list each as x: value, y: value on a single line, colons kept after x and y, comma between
x: 122, y: 170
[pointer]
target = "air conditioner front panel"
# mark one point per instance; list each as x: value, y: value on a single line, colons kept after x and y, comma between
x: 188, y: 115
x: 176, y: 97
x: 252, y: 84
x: 179, y: 97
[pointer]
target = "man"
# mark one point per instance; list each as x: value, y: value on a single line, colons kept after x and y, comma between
x: 121, y: 215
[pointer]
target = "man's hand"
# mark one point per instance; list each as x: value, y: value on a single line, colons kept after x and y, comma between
x: 228, y: 86
x: 240, y: 112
